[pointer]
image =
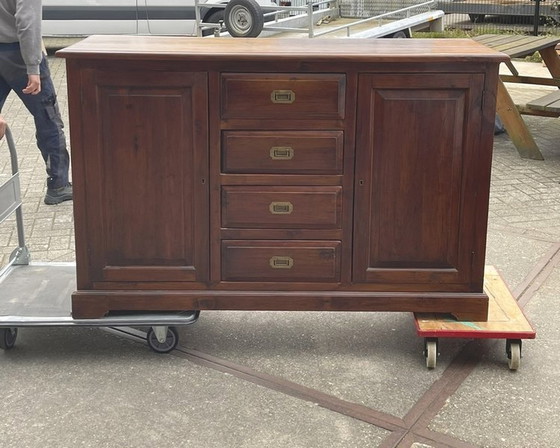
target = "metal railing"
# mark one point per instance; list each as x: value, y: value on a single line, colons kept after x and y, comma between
x: 380, y: 18
x: 492, y: 16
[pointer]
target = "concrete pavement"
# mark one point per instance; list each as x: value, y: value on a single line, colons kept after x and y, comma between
x: 314, y: 380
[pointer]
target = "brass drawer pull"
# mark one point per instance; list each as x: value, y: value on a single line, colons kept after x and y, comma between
x: 283, y: 96
x: 281, y: 208
x: 277, y: 262
x: 281, y: 153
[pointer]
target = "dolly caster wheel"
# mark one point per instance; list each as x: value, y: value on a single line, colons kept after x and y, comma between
x: 8, y: 338
x: 431, y: 352
x: 162, y: 339
x: 513, y: 352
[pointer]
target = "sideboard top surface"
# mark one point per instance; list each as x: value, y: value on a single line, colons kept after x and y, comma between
x: 212, y: 49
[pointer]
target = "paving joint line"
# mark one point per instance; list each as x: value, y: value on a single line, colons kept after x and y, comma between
x: 526, y: 291
x: 538, y: 276
x: 528, y: 233
x: 327, y: 401
x: 434, y: 399
x: 400, y: 429
x: 414, y: 426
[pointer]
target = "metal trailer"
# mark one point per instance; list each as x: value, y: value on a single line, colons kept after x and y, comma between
x: 39, y: 294
x: 316, y: 18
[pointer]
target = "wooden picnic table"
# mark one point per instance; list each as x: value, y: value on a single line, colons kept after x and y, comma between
x: 518, y: 46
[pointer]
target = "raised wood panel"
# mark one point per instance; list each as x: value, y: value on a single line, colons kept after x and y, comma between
x: 153, y: 178
x: 313, y: 96
x: 410, y: 189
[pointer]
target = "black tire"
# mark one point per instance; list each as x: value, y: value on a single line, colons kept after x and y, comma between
x: 400, y: 35
x: 477, y: 18
x: 171, y: 340
x: 214, y: 17
x: 243, y: 18
x: 8, y: 338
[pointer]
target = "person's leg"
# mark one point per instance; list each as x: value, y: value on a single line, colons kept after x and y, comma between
x: 49, y: 128
x: 50, y: 135
x: 5, y: 73
x: 4, y: 91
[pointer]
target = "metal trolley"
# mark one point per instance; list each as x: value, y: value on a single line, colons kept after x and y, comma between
x: 39, y: 294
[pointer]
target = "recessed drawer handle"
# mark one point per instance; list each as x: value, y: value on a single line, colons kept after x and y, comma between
x: 277, y: 262
x: 281, y: 153
x: 283, y: 96
x: 281, y: 208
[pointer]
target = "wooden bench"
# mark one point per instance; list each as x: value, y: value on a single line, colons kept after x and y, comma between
x: 546, y: 106
x: 518, y: 46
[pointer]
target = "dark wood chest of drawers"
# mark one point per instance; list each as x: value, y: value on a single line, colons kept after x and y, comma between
x: 265, y: 174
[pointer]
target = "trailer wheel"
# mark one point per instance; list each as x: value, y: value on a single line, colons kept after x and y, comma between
x: 243, y: 18
x: 8, y: 338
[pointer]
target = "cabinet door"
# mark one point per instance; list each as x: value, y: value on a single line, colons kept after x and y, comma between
x: 418, y: 175
x: 145, y: 162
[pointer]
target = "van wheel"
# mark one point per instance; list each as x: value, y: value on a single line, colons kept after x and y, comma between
x: 399, y: 35
x: 214, y: 17
x: 243, y: 18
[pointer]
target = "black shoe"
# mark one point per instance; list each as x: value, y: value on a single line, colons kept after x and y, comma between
x: 58, y: 195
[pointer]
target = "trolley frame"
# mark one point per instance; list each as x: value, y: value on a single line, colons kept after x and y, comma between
x: 39, y: 294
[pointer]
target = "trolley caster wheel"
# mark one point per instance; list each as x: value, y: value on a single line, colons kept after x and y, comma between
x: 513, y: 352
x: 167, y: 341
x: 431, y: 352
x: 8, y: 338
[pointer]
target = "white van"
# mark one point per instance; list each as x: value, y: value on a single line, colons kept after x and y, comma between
x: 160, y: 17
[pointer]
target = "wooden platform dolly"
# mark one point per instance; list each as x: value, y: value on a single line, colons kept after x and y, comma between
x: 505, y: 321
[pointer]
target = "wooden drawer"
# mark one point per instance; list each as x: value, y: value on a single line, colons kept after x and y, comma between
x: 283, y: 96
x: 281, y: 261
x: 282, y: 152
x: 282, y: 207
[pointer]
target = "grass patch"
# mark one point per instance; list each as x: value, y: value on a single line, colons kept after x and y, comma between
x: 535, y: 57
x: 447, y: 34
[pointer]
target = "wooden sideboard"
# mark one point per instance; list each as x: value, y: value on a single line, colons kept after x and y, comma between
x: 270, y: 174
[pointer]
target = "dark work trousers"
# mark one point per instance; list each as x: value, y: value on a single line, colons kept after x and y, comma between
x: 43, y: 107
